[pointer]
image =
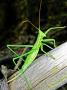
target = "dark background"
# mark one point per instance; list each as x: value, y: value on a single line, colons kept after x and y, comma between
x: 12, y: 12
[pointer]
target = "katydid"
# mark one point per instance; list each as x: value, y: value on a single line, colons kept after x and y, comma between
x: 39, y: 43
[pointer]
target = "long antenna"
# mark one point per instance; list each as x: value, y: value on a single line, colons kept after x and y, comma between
x: 39, y: 13
x: 26, y: 21
x: 52, y: 28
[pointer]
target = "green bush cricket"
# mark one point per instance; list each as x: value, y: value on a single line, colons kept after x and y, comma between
x: 32, y: 54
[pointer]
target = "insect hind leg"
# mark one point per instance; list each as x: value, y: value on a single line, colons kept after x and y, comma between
x: 20, y: 57
x: 17, y: 46
x: 14, y: 59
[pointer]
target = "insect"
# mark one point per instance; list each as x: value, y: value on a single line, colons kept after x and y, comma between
x: 39, y: 43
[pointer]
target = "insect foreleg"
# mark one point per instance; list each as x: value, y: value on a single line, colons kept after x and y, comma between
x: 47, y: 45
x: 49, y: 41
x: 43, y: 50
x: 47, y: 54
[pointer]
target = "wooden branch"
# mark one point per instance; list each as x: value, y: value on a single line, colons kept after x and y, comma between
x: 45, y: 73
x: 3, y: 85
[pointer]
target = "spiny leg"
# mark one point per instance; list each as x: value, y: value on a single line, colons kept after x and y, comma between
x: 49, y: 41
x: 46, y: 52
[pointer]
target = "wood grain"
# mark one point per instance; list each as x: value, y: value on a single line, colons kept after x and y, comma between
x: 45, y: 73
x: 3, y: 85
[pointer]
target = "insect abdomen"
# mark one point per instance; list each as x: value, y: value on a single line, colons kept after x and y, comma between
x: 29, y: 59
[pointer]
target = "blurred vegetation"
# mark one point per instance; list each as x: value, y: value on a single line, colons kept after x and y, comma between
x: 13, y: 12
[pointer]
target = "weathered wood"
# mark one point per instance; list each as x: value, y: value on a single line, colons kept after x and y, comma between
x: 3, y: 85
x: 45, y: 73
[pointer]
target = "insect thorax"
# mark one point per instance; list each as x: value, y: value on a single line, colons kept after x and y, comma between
x: 39, y: 40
